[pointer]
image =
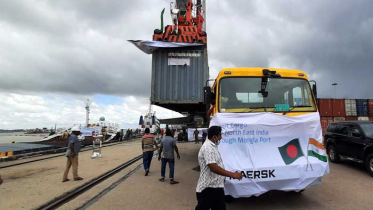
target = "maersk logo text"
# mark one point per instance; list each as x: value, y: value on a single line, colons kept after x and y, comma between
x: 262, y: 174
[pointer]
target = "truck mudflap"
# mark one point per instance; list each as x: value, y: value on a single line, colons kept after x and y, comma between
x: 272, y: 151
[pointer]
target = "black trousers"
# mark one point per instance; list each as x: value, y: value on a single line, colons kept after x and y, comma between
x: 211, y: 198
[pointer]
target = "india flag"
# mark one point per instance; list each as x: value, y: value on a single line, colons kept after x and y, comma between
x: 317, y: 150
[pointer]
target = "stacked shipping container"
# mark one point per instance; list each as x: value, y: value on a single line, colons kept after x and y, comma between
x: 370, y: 109
x: 350, y: 106
x: 362, y: 107
x: 336, y: 110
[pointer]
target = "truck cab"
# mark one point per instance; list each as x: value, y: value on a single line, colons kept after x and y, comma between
x: 281, y: 91
x: 270, y: 125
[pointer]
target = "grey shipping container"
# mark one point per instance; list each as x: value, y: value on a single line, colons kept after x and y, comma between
x: 350, y: 107
x: 178, y: 79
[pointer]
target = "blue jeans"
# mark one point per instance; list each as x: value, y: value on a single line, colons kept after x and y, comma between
x: 171, y: 164
x: 147, y: 159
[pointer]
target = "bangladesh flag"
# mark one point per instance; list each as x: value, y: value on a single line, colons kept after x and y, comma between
x: 291, y: 151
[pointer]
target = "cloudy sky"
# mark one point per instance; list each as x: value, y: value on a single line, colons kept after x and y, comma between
x: 56, y: 54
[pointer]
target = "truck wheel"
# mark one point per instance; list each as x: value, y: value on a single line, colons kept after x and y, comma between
x: 333, y: 154
x: 369, y: 164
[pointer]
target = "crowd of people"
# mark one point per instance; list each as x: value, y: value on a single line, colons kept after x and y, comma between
x: 129, y: 134
x: 165, y: 153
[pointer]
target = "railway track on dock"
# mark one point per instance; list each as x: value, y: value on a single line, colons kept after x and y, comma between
x: 63, y: 199
x: 60, y: 154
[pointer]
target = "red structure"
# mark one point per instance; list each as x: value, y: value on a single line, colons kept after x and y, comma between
x: 186, y: 28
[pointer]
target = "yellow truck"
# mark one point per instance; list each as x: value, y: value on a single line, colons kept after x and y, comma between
x: 271, y: 129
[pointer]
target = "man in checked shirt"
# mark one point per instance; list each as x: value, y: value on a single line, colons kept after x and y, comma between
x: 210, y: 187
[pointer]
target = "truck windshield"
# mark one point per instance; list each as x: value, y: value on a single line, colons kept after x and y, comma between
x: 368, y: 128
x: 245, y: 94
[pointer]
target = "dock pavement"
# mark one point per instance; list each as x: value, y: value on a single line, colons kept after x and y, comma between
x: 147, y: 192
x: 31, y: 185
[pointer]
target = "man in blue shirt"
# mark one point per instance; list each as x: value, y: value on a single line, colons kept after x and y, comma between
x: 72, y: 153
x: 168, y: 145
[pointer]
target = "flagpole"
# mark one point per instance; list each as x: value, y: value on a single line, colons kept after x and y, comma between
x: 308, y: 162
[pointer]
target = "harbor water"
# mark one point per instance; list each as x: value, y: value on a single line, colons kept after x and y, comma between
x: 18, y: 137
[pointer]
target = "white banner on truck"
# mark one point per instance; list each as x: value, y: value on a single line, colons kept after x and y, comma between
x: 272, y: 151
x: 191, y: 133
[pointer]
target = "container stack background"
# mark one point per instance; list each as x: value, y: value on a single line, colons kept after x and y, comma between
x: 335, y: 110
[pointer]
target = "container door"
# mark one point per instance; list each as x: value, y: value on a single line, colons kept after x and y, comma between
x: 353, y: 107
x: 355, y: 143
x: 339, y: 109
x: 325, y: 107
x: 362, y: 107
x: 370, y: 107
x: 348, y: 107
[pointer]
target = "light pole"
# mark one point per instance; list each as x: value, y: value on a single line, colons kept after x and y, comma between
x: 335, y: 89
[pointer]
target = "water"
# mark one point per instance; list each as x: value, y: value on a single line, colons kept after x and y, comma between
x: 20, y: 137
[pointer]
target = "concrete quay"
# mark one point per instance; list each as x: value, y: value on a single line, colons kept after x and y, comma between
x: 31, y: 185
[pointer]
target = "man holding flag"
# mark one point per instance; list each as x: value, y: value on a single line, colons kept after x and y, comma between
x: 210, y: 188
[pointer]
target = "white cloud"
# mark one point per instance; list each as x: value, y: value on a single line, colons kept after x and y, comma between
x: 28, y: 111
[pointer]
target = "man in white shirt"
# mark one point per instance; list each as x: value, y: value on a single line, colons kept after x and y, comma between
x: 210, y: 187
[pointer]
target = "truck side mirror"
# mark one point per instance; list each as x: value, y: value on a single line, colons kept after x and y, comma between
x: 208, y: 95
x: 314, y: 88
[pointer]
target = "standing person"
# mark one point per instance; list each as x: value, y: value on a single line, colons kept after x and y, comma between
x: 196, y: 132
x: 168, y: 145
x: 204, y: 135
x: 121, y: 134
x: 128, y: 134
x: 185, y: 135
x: 72, y: 154
x: 180, y: 137
x: 63, y: 134
x: 104, y: 132
x: 136, y: 132
x: 211, y: 110
x: 162, y: 131
x: 1, y: 180
x: 210, y: 187
x: 148, y: 143
x: 173, y: 133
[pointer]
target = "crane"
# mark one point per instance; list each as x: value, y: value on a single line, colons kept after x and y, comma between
x: 188, y: 23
